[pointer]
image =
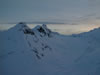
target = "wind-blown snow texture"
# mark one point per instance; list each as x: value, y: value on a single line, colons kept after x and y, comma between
x: 39, y: 51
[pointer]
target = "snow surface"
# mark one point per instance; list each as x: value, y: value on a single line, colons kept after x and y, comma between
x: 39, y: 51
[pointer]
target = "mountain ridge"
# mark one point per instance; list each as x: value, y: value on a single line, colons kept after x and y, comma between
x: 39, y: 51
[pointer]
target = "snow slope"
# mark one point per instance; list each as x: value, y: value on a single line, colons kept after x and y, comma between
x: 39, y: 51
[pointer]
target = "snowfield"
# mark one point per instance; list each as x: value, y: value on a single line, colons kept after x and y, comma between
x: 39, y: 51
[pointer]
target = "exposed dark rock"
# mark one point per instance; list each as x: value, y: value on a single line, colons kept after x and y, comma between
x: 42, y: 54
x: 41, y: 30
x: 38, y: 56
x: 28, y: 31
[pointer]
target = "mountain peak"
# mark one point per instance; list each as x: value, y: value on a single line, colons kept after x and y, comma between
x: 43, y: 30
x: 39, y: 30
x: 21, y: 25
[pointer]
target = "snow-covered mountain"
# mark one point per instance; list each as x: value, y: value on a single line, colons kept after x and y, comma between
x: 39, y: 51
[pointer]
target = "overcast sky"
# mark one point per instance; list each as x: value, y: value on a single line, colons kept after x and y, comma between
x: 59, y: 11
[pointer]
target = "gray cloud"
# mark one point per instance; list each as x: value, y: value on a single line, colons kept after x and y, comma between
x: 64, y: 11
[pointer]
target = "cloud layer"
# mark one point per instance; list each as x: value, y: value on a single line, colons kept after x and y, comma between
x: 59, y: 11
